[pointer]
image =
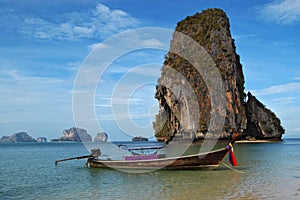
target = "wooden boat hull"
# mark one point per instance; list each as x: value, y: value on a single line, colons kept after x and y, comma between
x: 206, y: 160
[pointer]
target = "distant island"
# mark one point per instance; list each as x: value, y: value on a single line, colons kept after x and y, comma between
x: 101, y: 137
x: 69, y: 135
x: 139, y: 138
x: 41, y: 139
x: 74, y: 134
x: 22, y: 137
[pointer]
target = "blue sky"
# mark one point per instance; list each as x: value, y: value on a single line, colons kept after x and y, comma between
x: 45, y: 43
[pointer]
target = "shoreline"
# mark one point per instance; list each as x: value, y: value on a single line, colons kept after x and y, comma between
x: 257, y: 141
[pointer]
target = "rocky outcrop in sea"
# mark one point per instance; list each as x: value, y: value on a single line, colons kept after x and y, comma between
x: 18, y: 137
x: 140, y: 139
x: 262, y: 122
x: 211, y: 29
x: 101, y: 137
x: 41, y: 139
x: 74, y: 134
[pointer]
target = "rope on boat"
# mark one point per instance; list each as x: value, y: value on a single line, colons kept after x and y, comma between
x: 239, y: 171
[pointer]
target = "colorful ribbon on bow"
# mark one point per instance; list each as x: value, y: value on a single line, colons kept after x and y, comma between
x: 231, y: 155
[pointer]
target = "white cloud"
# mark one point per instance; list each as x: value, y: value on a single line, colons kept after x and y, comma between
x: 33, y: 99
x: 97, y: 45
x: 245, y: 36
x: 103, y: 105
x: 284, y: 100
x: 283, y: 44
x: 98, y: 23
x: 152, y: 42
x: 296, y: 130
x: 14, y: 76
x: 281, y: 12
x: 277, y: 89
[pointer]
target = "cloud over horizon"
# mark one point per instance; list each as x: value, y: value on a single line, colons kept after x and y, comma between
x: 97, y: 23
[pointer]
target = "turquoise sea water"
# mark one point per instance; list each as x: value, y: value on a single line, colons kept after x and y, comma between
x: 265, y: 171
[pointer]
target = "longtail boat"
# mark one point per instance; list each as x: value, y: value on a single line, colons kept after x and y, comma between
x: 209, y: 160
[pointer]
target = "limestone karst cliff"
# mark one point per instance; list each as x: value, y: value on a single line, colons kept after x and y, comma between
x: 74, y: 134
x: 210, y: 29
x: 262, y: 122
x: 101, y: 137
